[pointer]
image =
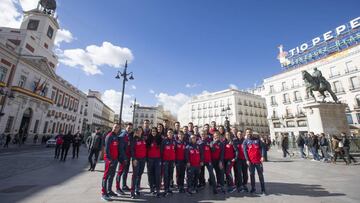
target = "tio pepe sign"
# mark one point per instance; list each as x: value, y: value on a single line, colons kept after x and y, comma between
x: 332, y: 41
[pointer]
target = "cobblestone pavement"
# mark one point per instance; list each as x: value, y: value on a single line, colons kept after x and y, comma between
x: 42, y: 179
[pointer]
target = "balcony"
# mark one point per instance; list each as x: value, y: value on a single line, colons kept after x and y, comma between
x: 274, y: 117
x: 334, y: 75
x: 352, y: 69
x: 300, y: 115
x: 340, y: 91
x: 286, y: 102
x: 354, y: 89
x: 289, y: 116
x: 297, y: 100
x: 274, y: 104
x: 357, y: 106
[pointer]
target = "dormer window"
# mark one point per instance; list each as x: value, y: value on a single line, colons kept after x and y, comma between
x: 50, y: 32
x: 33, y: 25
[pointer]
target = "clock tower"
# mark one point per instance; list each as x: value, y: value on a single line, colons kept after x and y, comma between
x: 40, y: 27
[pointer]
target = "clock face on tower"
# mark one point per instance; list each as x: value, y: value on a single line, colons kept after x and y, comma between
x: 50, y: 32
x: 33, y: 25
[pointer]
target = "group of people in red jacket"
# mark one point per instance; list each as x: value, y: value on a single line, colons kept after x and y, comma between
x: 190, y: 153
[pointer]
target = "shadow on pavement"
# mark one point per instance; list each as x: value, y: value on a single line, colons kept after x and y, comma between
x: 49, y: 172
x: 275, y: 188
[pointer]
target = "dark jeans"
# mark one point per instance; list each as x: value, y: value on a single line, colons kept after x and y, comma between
x: 229, y: 177
x: 93, y: 153
x: 348, y: 155
x: 154, y: 173
x: 314, y: 152
x: 239, y: 173
x: 302, y: 154
x: 180, y: 173
x: 260, y: 170
x: 285, y: 152
x: 76, y: 148
x: 193, y: 176
x: 64, y: 151
x: 136, y: 176
x: 210, y: 170
x: 109, y: 173
x: 168, y: 174
x: 122, y: 173
x: 219, y: 173
x: 57, y: 151
x: 325, y: 152
x: 339, y: 154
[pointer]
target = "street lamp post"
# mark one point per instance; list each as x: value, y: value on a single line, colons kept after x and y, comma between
x: 123, y: 75
x: 227, y: 122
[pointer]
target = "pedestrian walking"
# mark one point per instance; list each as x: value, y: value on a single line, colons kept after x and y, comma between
x: 285, y: 145
x: 67, y: 140
x: 59, y: 141
x: 346, y: 148
x: 36, y: 137
x: 324, y: 147
x: 76, y: 145
x: 300, y: 141
x: 7, y: 141
x: 111, y: 157
x: 337, y: 148
x: 254, y: 152
x: 95, y: 144
x: 314, y: 146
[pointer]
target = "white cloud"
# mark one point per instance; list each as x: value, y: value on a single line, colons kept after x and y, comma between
x: 94, y: 56
x: 151, y: 91
x: 232, y: 86
x: 10, y: 13
x: 112, y: 98
x: 188, y: 85
x: 133, y: 87
x: 63, y: 35
x: 172, y: 102
x: 28, y: 4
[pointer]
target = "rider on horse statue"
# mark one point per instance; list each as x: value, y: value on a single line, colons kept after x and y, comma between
x: 320, y: 80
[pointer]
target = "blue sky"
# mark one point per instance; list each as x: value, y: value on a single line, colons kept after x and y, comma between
x: 208, y: 44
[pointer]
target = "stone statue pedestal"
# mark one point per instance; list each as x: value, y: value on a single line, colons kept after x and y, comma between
x: 328, y: 118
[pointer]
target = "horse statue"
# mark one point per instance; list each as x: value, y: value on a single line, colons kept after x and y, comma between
x: 314, y: 84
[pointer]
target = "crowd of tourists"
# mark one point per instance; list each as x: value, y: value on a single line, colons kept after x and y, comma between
x: 63, y: 144
x: 228, y: 157
x: 320, y: 147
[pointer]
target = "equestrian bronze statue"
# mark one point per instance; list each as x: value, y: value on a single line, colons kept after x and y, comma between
x: 317, y: 82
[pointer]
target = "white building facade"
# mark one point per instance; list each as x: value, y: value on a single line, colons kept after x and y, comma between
x: 97, y: 113
x: 286, y: 95
x: 33, y: 98
x: 243, y: 109
x: 153, y: 114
